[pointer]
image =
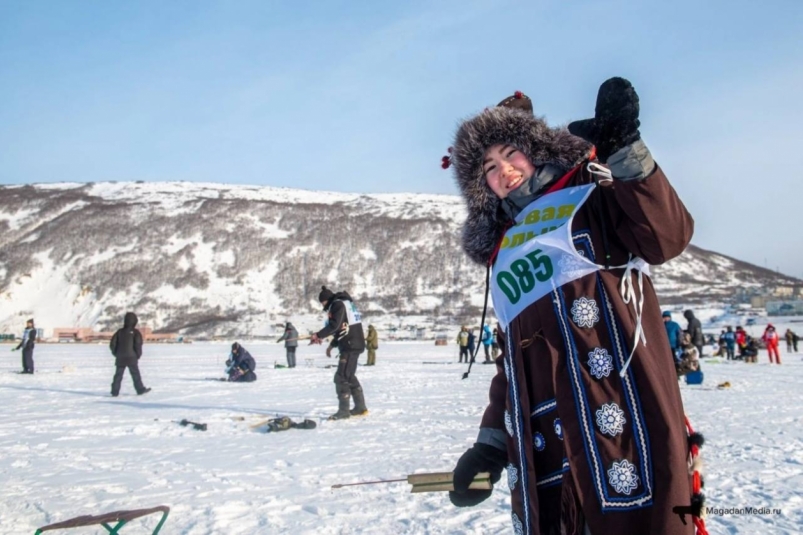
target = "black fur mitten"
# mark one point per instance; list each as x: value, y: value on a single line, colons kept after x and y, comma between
x: 478, y: 458
x: 615, y: 123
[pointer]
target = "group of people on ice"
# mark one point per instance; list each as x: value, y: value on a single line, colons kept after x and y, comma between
x: 344, y: 326
x: 126, y: 347
x: 687, y: 345
x: 466, y: 341
x: 748, y: 346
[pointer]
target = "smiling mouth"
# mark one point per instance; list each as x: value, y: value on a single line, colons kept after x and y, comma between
x: 515, y: 183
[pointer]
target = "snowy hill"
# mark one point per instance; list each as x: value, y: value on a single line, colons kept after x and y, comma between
x: 213, y: 259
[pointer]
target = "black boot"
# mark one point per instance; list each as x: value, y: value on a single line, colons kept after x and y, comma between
x: 343, y: 410
x: 359, y: 403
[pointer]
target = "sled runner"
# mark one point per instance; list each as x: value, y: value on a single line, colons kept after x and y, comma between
x: 121, y: 518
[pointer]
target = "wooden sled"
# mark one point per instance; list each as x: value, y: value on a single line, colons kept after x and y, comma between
x: 120, y: 517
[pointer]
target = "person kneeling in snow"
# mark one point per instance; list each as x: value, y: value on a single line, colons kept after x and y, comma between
x: 689, y: 357
x: 583, y: 415
x: 241, y: 365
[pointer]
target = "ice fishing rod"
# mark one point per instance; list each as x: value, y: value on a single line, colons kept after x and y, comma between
x: 302, y: 337
x: 482, y: 321
x: 434, y: 482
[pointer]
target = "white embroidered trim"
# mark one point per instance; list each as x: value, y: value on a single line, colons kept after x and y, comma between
x: 512, y: 476
x: 600, y: 362
x: 585, y: 312
x: 518, y: 529
x: 622, y: 477
x: 611, y: 419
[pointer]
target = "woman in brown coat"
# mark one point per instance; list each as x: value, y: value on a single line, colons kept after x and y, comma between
x: 585, y: 411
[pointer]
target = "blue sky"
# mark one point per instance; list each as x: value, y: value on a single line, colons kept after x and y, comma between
x: 365, y: 97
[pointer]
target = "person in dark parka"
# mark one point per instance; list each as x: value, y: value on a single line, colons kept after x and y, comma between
x: 126, y: 346
x: 345, y: 325
x: 242, y: 365
x: 27, y: 344
x: 290, y: 338
x: 695, y: 330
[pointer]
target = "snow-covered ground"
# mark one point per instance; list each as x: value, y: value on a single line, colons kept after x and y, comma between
x: 68, y: 448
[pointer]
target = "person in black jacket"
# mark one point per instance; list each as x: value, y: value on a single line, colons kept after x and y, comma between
x: 695, y: 330
x: 345, y: 325
x: 26, y: 344
x: 242, y: 365
x: 126, y: 346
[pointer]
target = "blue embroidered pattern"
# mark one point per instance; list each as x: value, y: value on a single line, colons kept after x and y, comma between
x: 622, y: 477
x: 585, y: 415
x: 517, y: 424
x: 508, y: 424
x: 600, y: 363
x: 558, y: 428
x: 585, y: 312
x: 611, y: 419
x: 518, y: 529
x: 543, y: 408
x: 512, y: 476
x: 538, y: 441
x: 555, y: 477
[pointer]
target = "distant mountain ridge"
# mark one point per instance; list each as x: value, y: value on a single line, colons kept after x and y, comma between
x: 213, y: 259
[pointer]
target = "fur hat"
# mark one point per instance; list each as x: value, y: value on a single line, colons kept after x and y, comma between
x: 515, y: 126
x: 519, y: 101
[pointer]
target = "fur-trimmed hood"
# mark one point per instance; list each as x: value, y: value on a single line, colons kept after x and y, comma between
x: 486, y: 223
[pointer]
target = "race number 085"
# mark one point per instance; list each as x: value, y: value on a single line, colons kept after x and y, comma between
x: 521, y: 279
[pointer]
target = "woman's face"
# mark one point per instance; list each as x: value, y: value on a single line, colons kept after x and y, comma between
x: 506, y: 168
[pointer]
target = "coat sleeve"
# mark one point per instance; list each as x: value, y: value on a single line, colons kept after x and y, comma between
x: 492, y: 428
x: 338, y: 317
x: 113, y: 345
x: 138, y: 343
x: 649, y: 218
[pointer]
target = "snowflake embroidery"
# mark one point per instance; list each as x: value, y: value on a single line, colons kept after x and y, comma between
x: 600, y: 362
x: 558, y: 428
x: 611, y: 419
x: 585, y: 312
x: 571, y: 266
x: 539, y: 443
x: 622, y: 477
x: 518, y: 529
x: 508, y: 424
x: 512, y: 476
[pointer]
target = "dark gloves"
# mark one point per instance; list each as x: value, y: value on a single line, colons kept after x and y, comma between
x: 479, y: 458
x: 615, y: 123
